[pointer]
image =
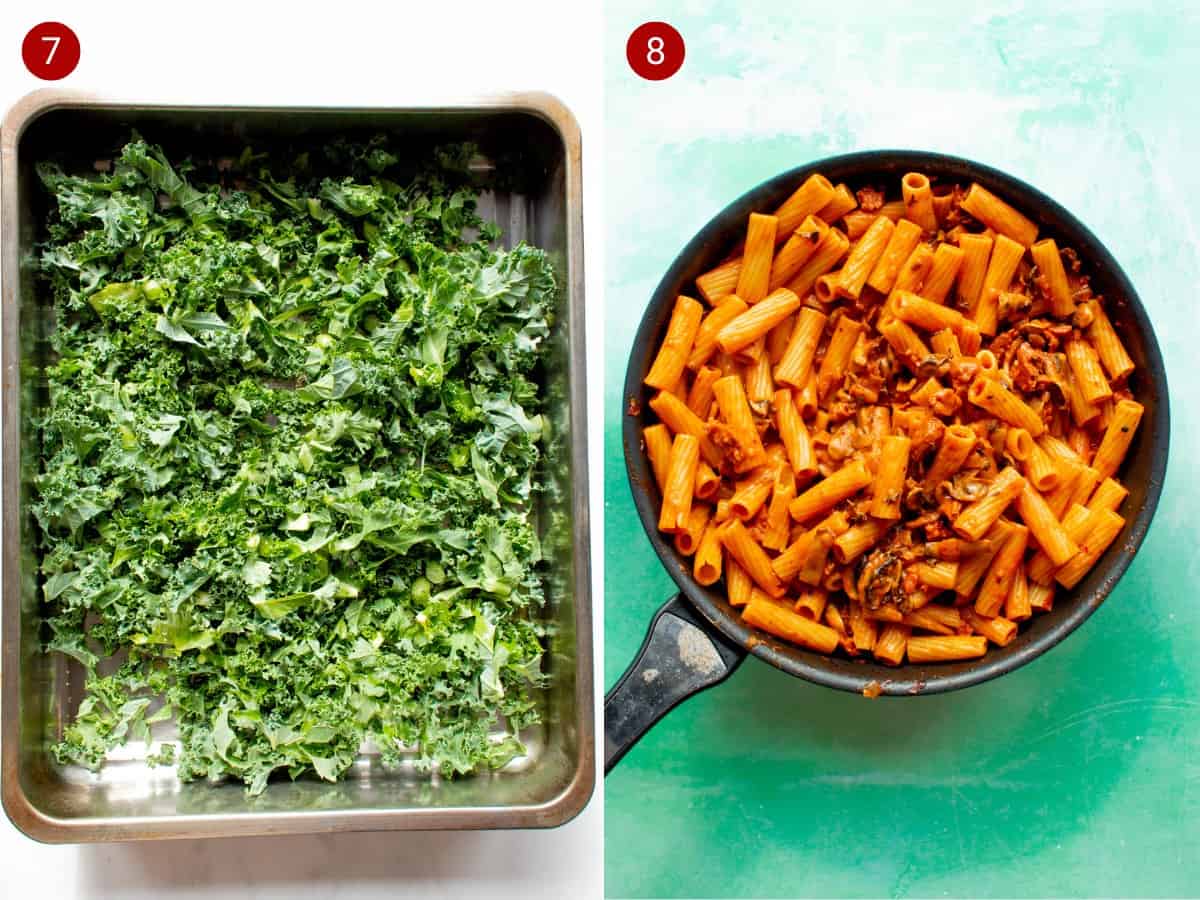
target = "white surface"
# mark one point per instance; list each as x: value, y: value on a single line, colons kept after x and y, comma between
x: 361, y: 54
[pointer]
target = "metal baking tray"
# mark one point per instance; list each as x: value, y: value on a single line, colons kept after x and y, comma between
x: 535, y: 142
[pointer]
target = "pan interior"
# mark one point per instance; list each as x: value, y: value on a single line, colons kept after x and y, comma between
x: 1143, y: 472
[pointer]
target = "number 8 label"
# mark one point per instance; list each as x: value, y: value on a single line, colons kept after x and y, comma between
x: 656, y: 57
x: 655, y: 51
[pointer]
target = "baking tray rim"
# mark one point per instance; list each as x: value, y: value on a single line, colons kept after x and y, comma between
x: 18, y: 806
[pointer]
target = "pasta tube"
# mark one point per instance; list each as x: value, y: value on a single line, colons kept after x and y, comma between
x: 674, y: 413
x: 891, y: 643
x: 700, y: 397
x: 1041, y: 597
x: 977, y: 249
x: 759, y: 383
x: 1049, y: 262
x: 957, y: 443
x: 755, y: 275
x: 997, y: 629
x: 925, y: 314
x: 755, y: 322
x: 938, y: 619
x: 863, y: 631
x: 888, y: 489
x: 977, y: 518
x: 779, y: 520
x: 750, y: 556
x: 1105, y: 526
x: 705, y: 344
x: 837, y: 354
x: 998, y: 581
x: 1109, y: 495
x: 1076, y: 523
x: 673, y: 354
x: 1089, y: 377
x: 706, y: 567
x: 999, y: 216
x: 1127, y: 415
x: 790, y: 626
x: 941, y: 575
x: 798, y: 250
x: 658, y: 448
x: 863, y: 257
x: 927, y: 649
x: 790, y: 562
x: 914, y: 271
x: 1016, y: 604
x: 1006, y: 254
x: 947, y: 260
x: 749, y: 499
x: 811, y: 604
x: 988, y: 393
x: 858, y: 539
x: 1108, y: 346
x: 907, y: 344
x: 972, y: 569
x: 918, y: 200
x: 739, y: 586
x: 708, y: 482
x: 1040, y: 470
x: 681, y: 482
x: 814, y: 194
x: 688, y: 540
x: 843, y: 201
x: 904, y: 238
x: 717, y: 284
x: 829, y: 251
x: 794, y: 434
x: 747, y: 448
x: 827, y: 493
x: 796, y: 364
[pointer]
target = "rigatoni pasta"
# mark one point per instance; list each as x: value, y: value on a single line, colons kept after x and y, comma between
x: 999, y: 216
x: 918, y: 200
x: 677, y: 345
x: 704, y: 345
x: 755, y: 275
x: 680, y: 484
x: 798, y: 250
x: 1002, y: 266
x: 755, y: 322
x: 947, y: 260
x: 796, y: 364
x: 862, y: 259
x: 897, y: 426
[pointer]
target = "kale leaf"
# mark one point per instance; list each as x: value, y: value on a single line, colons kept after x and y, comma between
x: 289, y: 461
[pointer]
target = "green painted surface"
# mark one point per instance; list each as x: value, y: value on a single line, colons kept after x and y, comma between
x: 1077, y: 775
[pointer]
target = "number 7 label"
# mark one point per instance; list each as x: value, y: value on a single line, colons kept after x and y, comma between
x: 50, y: 51
x: 53, y: 41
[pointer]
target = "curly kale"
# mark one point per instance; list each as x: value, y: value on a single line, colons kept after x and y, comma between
x: 289, y: 461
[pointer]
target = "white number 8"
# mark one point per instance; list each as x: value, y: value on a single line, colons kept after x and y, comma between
x: 655, y: 56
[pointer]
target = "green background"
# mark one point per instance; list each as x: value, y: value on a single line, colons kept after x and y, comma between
x: 1077, y: 775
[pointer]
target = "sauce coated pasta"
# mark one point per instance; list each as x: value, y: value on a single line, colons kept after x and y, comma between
x: 892, y: 427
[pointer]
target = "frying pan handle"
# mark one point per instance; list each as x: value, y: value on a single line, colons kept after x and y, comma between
x: 682, y: 655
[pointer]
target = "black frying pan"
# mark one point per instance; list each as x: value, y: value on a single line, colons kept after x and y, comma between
x: 697, y: 639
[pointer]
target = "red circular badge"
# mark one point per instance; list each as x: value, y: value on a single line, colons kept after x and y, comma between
x: 655, y: 51
x: 50, y: 51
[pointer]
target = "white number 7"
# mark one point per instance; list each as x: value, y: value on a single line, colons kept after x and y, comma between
x: 55, y: 41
